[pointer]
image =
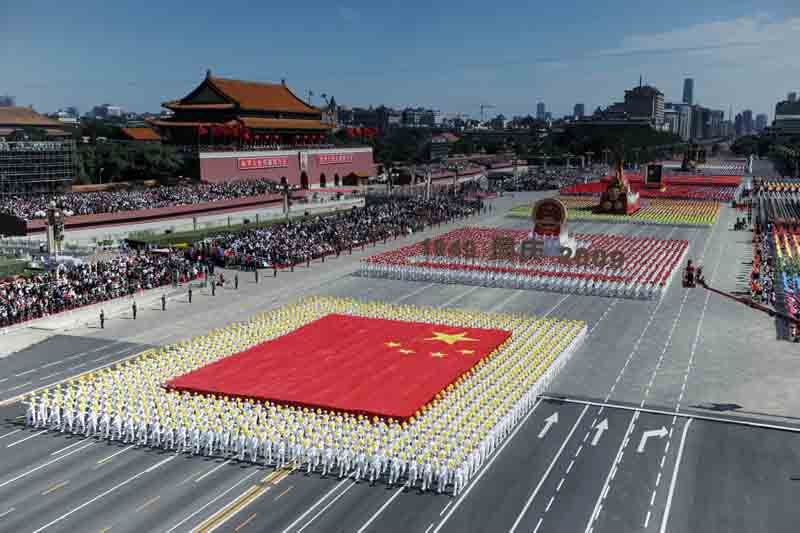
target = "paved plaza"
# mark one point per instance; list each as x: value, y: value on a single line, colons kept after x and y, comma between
x: 675, y: 414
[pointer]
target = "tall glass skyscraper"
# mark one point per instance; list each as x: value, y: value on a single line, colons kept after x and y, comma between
x: 688, y: 91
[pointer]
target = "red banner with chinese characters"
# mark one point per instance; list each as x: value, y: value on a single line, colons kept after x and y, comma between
x: 334, y: 159
x: 260, y: 163
x: 361, y: 365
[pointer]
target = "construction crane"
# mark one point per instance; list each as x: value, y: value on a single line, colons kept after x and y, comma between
x: 483, y: 107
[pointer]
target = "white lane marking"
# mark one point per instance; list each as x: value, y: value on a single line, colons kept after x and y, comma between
x: 647, y: 519
x: 397, y: 493
x: 62, y: 450
x: 413, y: 293
x: 560, y: 483
x: 317, y: 504
x: 106, y: 459
x: 4, y: 379
x: 660, y: 433
x: 54, y: 363
x: 486, y: 467
x: 9, y: 434
x: 427, y: 529
x: 104, y: 494
x: 29, y: 437
x: 31, y: 371
x: 51, y: 375
x: 549, y: 503
x: 646, y: 410
x: 674, y: 477
x: 9, y: 511
x: 538, y: 525
x: 19, y: 386
x: 561, y: 301
x: 446, y: 507
x: 201, y: 478
x: 221, y: 495
x: 547, y: 472
x: 458, y: 297
x: 548, y: 423
x: 321, y: 511
x: 617, y: 459
x: 32, y: 470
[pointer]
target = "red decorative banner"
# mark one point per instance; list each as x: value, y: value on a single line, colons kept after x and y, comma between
x: 334, y: 159
x: 259, y: 163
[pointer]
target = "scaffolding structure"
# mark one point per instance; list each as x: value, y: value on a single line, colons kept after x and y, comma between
x: 36, y: 167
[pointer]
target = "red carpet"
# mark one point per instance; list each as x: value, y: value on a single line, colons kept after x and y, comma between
x: 361, y: 365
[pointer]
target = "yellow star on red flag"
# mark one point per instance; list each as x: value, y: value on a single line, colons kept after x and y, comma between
x: 467, y: 352
x: 406, y: 351
x: 392, y: 344
x: 438, y: 355
x: 450, y: 338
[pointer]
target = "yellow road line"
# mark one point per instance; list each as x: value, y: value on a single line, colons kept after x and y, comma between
x: 55, y: 487
x: 234, y: 507
x: 280, y: 478
x: 271, y: 475
x: 249, y: 519
x: 148, y: 502
x: 290, y: 487
x: 105, y: 529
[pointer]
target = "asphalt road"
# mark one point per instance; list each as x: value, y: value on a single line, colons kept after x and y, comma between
x: 638, y: 441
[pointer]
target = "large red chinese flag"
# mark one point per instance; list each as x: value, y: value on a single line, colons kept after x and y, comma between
x: 361, y: 365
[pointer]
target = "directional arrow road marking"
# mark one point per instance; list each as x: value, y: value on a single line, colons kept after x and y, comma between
x: 660, y: 433
x: 600, y: 428
x: 549, y: 421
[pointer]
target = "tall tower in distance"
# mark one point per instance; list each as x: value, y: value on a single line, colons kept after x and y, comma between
x: 688, y: 91
x: 541, y: 111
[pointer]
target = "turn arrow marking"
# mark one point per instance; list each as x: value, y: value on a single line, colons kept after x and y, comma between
x: 660, y: 433
x: 601, y: 428
x: 549, y: 421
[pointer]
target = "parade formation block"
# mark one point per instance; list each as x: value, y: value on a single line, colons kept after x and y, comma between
x: 660, y: 212
x: 605, y: 265
x: 284, y: 389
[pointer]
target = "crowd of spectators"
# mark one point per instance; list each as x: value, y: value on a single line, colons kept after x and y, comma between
x: 762, y: 275
x: 278, y: 245
x: 90, y: 203
x: 77, y: 285
x: 540, y: 179
x: 312, y: 237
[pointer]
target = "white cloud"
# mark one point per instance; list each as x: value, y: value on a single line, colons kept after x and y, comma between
x: 740, y: 38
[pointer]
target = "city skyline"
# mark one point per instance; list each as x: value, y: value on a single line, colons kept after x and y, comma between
x: 154, y: 55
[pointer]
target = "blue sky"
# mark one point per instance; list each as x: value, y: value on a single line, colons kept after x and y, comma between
x: 452, y: 56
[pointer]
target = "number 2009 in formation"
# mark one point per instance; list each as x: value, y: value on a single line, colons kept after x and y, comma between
x: 529, y: 249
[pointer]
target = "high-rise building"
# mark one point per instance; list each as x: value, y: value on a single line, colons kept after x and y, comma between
x: 579, y: 111
x: 715, y: 124
x: 7, y: 101
x: 688, y: 91
x: 678, y: 117
x: 645, y: 102
x: 761, y: 122
x: 791, y: 97
x: 541, y: 111
x: 787, y: 118
x: 738, y: 125
x: 747, y: 122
